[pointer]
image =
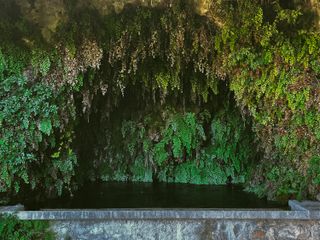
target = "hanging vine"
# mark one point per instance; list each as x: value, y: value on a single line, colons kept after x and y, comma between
x: 58, y: 60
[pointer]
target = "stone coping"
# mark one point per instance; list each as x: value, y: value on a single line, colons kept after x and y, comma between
x: 15, y: 208
x: 304, y: 205
x: 166, y: 214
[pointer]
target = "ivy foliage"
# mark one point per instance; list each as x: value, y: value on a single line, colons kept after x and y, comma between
x: 55, y: 68
x: 32, y: 150
x: 275, y: 78
x: 14, y: 229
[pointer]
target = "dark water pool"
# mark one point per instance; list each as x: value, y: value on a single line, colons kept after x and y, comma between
x: 148, y: 195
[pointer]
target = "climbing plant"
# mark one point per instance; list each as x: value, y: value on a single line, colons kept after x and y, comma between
x: 63, y: 64
x: 176, y: 148
x: 14, y: 229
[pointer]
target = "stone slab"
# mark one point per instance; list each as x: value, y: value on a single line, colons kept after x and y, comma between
x: 178, y: 214
x: 304, y: 205
x: 11, y: 209
x: 187, y: 230
x: 180, y: 224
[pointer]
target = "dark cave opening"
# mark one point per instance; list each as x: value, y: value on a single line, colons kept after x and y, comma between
x: 100, y: 142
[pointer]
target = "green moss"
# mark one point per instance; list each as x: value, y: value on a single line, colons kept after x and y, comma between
x: 14, y: 229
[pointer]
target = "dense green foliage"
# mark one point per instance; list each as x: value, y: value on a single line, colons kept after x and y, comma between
x: 175, y: 148
x: 276, y: 78
x: 13, y: 229
x: 61, y: 73
x: 29, y: 116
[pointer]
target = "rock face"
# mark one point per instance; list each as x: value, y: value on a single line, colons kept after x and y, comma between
x: 315, y: 4
x: 318, y: 197
x: 179, y: 229
x: 48, y: 14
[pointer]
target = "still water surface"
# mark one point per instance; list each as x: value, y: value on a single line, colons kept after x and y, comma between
x: 149, y: 195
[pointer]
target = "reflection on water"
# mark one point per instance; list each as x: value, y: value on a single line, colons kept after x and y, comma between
x: 160, y: 195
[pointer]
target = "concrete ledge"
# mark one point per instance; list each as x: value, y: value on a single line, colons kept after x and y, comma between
x: 304, y: 205
x: 167, y: 214
x: 186, y: 224
x: 11, y: 209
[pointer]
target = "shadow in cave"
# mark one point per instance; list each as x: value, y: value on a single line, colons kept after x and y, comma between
x: 101, y: 126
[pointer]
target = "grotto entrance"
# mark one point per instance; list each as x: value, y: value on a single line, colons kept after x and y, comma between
x: 157, y: 107
x: 117, y: 149
x: 146, y: 137
x: 151, y: 97
x: 146, y: 150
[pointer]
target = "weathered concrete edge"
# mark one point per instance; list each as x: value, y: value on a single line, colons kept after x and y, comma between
x: 304, y: 205
x: 166, y: 214
x: 12, y: 209
x: 296, y: 206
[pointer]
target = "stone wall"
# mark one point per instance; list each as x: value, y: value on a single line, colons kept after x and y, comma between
x: 182, y: 224
x: 188, y: 229
x: 303, y: 223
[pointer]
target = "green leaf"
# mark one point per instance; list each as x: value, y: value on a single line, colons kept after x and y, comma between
x: 56, y: 155
x: 45, y: 126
